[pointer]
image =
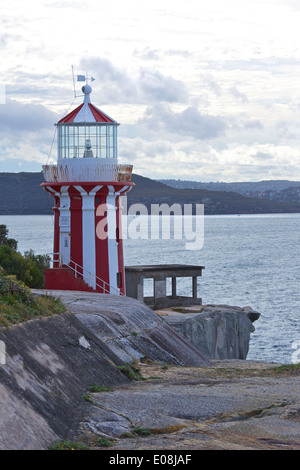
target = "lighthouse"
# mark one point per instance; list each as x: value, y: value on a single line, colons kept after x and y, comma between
x: 87, y: 184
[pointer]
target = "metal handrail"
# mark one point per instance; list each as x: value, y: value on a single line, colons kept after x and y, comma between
x: 77, y: 271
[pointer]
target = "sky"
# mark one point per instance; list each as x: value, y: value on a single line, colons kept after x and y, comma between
x: 203, y: 91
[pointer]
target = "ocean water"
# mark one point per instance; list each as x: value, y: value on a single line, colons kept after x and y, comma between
x: 250, y: 260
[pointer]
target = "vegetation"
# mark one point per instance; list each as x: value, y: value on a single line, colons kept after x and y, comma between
x: 69, y: 445
x: 29, y: 268
x: 284, y: 369
x: 17, y: 275
x: 276, y: 370
x: 104, y: 442
x: 137, y: 432
x: 131, y: 371
x: 95, y: 389
x: 87, y: 397
x: 4, y: 240
x: 140, y: 432
x: 99, y: 388
x: 18, y: 304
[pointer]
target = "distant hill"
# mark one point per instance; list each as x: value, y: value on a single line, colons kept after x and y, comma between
x: 290, y: 194
x: 20, y: 193
x: 245, y: 188
x: 148, y: 192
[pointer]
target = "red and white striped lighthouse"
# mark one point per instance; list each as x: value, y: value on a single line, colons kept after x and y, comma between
x: 87, y: 184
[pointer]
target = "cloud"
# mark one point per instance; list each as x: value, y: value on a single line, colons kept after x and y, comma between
x: 145, y: 85
x: 262, y: 156
x: 202, y: 160
x: 16, y: 117
x: 192, y: 99
x: 155, y: 54
x: 157, y: 87
x: 252, y: 124
x: 238, y: 94
x: 211, y: 84
x: 24, y: 151
x: 187, y: 123
x: 116, y: 85
x: 147, y: 53
x: 26, y: 132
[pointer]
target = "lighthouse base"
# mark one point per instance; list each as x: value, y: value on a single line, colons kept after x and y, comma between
x: 88, y: 236
x: 64, y: 279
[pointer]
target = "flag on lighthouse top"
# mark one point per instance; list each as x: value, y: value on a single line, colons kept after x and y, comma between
x: 83, y: 78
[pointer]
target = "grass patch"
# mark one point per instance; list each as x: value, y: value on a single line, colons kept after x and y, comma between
x: 69, y: 445
x: 284, y: 369
x: 186, y: 310
x: 99, y: 388
x: 141, y: 431
x: 131, y: 371
x: 87, y: 397
x: 18, y: 303
x: 144, y: 432
x: 13, y: 308
x: 104, y: 442
x: 95, y: 389
x: 137, y: 432
x: 280, y: 370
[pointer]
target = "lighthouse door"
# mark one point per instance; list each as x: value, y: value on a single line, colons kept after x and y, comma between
x: 65, y: 239
x: 64, y: 227
x: 65, y: 247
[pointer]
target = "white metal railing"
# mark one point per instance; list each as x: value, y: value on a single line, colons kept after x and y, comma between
x: 87, y: 169
x: 79, y: 271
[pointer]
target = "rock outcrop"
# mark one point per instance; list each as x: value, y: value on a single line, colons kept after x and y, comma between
x: 230, y: 405
x: 51, y: 362
x: 218, y: 331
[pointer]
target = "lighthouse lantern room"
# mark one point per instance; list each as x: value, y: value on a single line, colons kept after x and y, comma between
x: 87, y: 183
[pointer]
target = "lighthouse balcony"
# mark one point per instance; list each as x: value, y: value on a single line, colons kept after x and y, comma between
x: 87, y: 169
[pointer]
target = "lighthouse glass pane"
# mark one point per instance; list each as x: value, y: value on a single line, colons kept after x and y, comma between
x: 76, y: 141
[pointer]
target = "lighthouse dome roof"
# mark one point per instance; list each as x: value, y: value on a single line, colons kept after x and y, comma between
x: 86, y: 112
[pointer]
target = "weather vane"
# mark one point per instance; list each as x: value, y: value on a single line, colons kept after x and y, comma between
x: 84, y: 78
x: 81, y: 78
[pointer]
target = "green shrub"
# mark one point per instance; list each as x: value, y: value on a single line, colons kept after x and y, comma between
x: 18, y: 304
x: 4, y: 240
x: 87, y: 397
x: 137, y: 432
x: 131, y: 371
x: 68, y: 445
x: 141, y: 431
x: 104, y: 442
x: 36, y: 265
x: 29, y: 268
x: 10, y: 288
x: 99, y: 388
